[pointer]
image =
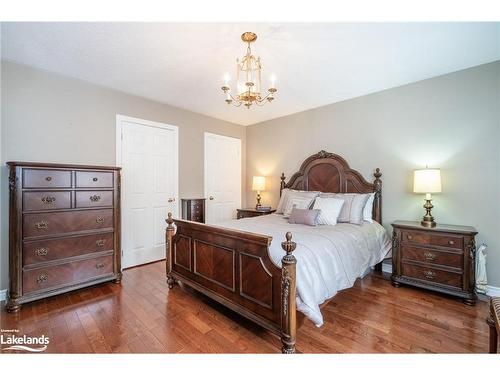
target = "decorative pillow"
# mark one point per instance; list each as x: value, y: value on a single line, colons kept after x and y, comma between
x: 288, y: 194
x: 368, y: 210
x: 294, y: 202
x: 329, y: 210
x: 352, y: 210
x: 304, y: 216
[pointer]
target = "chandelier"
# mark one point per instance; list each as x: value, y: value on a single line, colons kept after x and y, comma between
x: 248, y: 79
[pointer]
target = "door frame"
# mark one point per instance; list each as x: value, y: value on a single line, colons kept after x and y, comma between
x: 205, y: 134
x: 118, y: 148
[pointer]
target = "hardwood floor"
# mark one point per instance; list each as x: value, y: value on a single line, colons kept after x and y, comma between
x: 143, y: 316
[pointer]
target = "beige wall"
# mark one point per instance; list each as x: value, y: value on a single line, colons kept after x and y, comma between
x: 451, y: 122
x: 51, y: 118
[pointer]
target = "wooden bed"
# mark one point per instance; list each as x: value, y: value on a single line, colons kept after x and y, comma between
x: 235, y: 268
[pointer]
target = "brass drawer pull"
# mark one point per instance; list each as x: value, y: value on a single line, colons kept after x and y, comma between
x: 42, y: 278
x: 451, y: 242
x: 99, y: 220
x: 42, y: 251
x: 42, y: 225
x: 409, y: 237
x: 100, y: 243
x: 48, y: 200
x: 95, y: 179
x: 430, y: 257
x: 95, y: 198
x: 48, y: 178
x: 429, y: 274
x: 99, y: 265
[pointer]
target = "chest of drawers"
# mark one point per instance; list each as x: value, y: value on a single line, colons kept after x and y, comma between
x: 441, y: 259
x: 64, y: 229
x: 193, y: 209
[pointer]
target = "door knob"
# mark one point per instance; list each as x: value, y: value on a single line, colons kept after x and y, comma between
x: 211, y: 198
x: 170, y: 200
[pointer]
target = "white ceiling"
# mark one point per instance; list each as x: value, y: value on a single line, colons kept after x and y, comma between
x: 315, y: 64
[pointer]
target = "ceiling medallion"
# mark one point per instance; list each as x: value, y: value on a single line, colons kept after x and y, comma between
x: 248, y: 79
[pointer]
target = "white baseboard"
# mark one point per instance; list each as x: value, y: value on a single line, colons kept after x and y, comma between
x: 387, y: 267
x: 493, y: 291
x: 3, y: 295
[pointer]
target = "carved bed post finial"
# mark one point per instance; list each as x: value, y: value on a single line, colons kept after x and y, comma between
x: 282, y: 184
x: 377, y: 204
x: 169, y: 247
x: 288, y: 296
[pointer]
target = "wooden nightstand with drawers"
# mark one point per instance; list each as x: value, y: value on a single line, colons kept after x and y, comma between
x: 242, y: 213
x: 440, y: 259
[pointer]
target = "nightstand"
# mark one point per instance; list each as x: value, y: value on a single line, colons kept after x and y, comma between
x: 441, y: 259
x: 251, y: 212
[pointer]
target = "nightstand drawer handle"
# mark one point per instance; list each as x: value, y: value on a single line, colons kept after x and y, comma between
x: 99, y: 220
x: 95, y: 179
x: 100, y: 243
x: 42, y: 225
x: 429, y: 274
x: 451, y: 242
x: 42, y: 278
x: 430, y: 257
x: 409, y: 237
x: 48, y: 178
x: 42, y: 251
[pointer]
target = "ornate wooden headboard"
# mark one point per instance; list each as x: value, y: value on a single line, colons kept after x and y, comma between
x: 330, y: 173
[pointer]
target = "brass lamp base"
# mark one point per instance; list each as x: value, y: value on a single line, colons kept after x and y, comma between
x: 258, y: 201
x: 428, y: 219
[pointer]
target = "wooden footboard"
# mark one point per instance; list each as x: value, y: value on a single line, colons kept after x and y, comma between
x: 235, y: 269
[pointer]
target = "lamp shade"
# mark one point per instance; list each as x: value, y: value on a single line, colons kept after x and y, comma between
x: 259, y: 183
x: 427, y: 181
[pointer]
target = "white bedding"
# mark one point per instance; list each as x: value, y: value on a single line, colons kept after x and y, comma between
x: 329, y: 258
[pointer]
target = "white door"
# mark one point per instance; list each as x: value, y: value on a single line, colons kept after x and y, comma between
x: 222, y: 177
x: 149, y: 161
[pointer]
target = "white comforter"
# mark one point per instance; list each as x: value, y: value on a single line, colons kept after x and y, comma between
x: 329, y: 258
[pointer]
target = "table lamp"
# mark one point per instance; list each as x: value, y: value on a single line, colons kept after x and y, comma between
x: 258, y: 185
x: 427, y: 181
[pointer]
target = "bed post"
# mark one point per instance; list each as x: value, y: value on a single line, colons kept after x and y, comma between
x: 282, y: 184
x: 169, y: 239
x: 288, y: 297
x: 377, y: 206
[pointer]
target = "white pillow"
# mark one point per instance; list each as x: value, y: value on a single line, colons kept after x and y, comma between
x: 330, y: 210
x: 300, y: 202
x: 368, y: 210
x: 288, y: 194
x: 352, y: 210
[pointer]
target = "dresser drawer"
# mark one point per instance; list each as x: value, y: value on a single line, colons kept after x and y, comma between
x: 46, y: 178
x: 86, y: 199
x: 430, y: 256
x: 426, y: 238
x: 451, y: 279
x: 43, y: 251
x: 94, y: 179
x: 54, y: 223
x: 46, y: 200
x: 66, y: 274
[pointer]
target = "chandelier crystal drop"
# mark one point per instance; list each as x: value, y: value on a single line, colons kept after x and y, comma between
x: 248, y: 79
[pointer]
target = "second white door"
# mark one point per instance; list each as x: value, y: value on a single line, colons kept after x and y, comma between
x: 149, y: 160
x: 222, y: 177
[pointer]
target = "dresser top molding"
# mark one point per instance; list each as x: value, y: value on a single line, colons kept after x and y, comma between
x: 56, y: 165
x: 463, y: 229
